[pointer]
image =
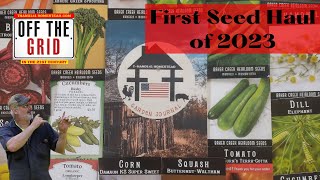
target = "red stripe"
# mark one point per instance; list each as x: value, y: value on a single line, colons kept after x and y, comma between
x: 155, y: 96
x: 159, y: 84
x: 257, y: 168
x: 162, y: 84
x: 161, y: 92
x: 158, y: 88
x: 156, y: 91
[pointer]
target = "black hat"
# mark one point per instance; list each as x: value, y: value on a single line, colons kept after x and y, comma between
x: 18, y: 100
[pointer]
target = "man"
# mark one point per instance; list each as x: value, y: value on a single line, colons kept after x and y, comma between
x: 28, y: 141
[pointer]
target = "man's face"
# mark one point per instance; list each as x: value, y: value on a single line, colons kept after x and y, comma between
x: 24, y: 112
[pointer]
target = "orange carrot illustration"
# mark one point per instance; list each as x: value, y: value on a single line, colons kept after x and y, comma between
x: 43, y: 4
x: 28, y: 4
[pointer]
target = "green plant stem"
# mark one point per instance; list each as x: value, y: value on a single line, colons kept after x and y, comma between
x: 288, y: 129
x: 285, y: 148
x: 81, y: 49
x: 277, y: 132
x: 95, y: 39
x: 78, y: 60
x: 79, y: 35
x: 290, y: 168
x: 287, y: 74
x: 283, y: 122
x: 307, y: 70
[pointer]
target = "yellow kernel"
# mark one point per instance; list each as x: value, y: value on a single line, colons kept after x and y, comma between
x: 312, y: 78
x: 293, y: 79
x: 280, y: 60
x: 307, y: 153
x: 290, y: 59
x: 303, y: 57
x: 314, y: 59
x: 279, y: 137
x: 271, y: 79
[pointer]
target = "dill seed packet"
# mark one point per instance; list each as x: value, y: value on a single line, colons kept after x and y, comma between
x: 295, y: 134
x: 295, y: 106
x: 295, y: 122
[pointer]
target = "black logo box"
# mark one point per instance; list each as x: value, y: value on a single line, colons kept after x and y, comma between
x: 239, y: 152
x: 281, y: 102
x: 308, y: 176
x: 237, y: 74
x: 161, y: 164
x: 237, y: 142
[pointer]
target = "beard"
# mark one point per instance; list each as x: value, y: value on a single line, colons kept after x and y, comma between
x: 28, y: 116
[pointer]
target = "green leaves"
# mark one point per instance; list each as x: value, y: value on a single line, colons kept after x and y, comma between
x: 187, y: 1
x: 297, y: 144
x: 89, y: 27
x: 167, y: 2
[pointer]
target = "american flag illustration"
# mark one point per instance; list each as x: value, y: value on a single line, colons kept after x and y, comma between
x: 154, y: 90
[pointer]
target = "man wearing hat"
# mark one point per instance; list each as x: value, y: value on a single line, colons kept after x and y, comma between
x: 28, y: 141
